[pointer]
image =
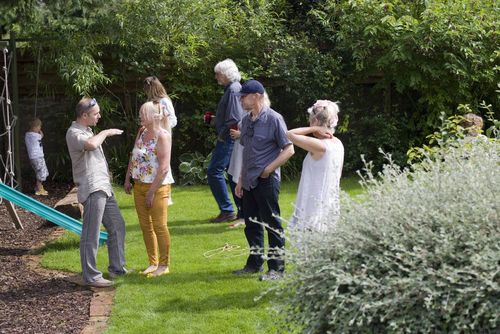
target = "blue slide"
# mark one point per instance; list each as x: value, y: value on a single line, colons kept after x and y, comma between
x: 44, y: 211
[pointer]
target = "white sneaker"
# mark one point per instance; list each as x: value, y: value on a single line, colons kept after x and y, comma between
x: 149, y: 269
x: 100, y: 283
x: 162, y: 270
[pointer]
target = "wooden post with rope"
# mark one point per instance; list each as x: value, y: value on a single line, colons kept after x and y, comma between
x: 8, y: 119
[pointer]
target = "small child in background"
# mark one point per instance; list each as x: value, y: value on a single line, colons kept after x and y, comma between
x: 33, y: 140
x: 472, y: 124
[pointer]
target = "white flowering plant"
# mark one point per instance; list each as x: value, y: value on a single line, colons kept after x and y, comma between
x: 418, y: 253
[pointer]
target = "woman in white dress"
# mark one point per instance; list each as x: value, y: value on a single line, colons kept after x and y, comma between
x: 317, y: 203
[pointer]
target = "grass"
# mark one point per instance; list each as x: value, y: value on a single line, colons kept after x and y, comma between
x: 200, y: 295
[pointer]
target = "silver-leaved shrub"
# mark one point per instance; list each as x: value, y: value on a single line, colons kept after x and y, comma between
x: 419, y: 253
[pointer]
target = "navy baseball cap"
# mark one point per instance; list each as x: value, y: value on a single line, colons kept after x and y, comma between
x: 251, y: 87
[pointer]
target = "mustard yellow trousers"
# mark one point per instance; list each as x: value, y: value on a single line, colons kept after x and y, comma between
x: 153, y: 222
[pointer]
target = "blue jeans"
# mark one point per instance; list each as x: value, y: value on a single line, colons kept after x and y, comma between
x: 221, y: 155
x: 261, y: 204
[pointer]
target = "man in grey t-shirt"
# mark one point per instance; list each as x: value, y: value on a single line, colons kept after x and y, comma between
x: 91, y: 175
x: 266, y: 148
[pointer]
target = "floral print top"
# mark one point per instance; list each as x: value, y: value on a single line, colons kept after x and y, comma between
x: 145, y: 161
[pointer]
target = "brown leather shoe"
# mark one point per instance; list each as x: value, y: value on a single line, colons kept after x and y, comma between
x: 224, y: 217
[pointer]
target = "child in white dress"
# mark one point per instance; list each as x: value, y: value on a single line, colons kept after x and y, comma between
x: 33, y: 140
x: 317, y: 203
x: 234, y: 171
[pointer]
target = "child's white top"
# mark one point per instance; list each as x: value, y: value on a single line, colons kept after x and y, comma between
x: 236, y: 161
x: 34, y: 146
x: 166, y: 104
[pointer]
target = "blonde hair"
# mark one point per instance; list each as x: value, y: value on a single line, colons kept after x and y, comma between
x: 266, y: 100
x: 35, y: 122
x: 325, y: 112
x: 155, y: 110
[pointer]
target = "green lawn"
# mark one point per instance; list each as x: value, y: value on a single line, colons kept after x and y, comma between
x: 200, y: 295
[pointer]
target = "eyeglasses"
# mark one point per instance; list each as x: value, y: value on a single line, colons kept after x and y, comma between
x: 92, y: 103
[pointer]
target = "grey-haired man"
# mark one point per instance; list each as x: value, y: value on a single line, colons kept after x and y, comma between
x: 229, y: 113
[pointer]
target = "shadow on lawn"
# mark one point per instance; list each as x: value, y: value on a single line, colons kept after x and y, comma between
x: 183, y: 278
x: 189, y: 227
x: 230, y: 300
x: 197, y: 230
x: 62, y: 244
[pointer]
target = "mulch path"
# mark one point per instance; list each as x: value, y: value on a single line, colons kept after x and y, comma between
x: 33, y: 299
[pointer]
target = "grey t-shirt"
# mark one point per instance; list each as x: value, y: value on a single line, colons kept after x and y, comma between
x: 263, y: 140
x: 90, y: 169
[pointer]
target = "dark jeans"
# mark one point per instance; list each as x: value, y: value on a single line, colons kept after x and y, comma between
x: 261, y: 204
x: 215, y: 174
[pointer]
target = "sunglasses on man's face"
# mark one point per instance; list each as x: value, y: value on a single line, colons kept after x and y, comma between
x: 92, y: 103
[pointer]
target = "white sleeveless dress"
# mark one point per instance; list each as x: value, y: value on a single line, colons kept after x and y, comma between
x: 317, y: 204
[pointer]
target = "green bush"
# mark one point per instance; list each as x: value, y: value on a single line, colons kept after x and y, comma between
x: 418, y: 253
x: 193, y: 168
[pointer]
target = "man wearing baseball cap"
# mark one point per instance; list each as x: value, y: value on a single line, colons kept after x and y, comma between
x: 266, y: 148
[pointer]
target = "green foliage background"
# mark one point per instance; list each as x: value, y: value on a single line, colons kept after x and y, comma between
x: 394, y: 65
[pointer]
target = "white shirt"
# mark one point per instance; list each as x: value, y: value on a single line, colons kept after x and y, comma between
x: 236, y: 161
x: 34, y: 146
x: 317, y: 204
x: 169, y: 111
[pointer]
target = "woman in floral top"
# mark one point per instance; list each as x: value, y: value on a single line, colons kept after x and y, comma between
x: 149, y: 167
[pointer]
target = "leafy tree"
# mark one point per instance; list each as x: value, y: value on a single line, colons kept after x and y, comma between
x: 427, y: 57
x: 104, y: 48
x: 401, y: 64
x: 440, y: 53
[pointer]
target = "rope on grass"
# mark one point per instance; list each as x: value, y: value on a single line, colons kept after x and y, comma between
x: 227, y: 248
